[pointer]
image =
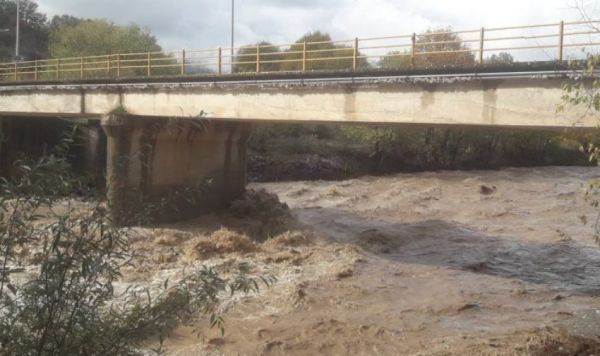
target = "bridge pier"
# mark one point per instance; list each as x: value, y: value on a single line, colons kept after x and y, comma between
x: 164, y: 170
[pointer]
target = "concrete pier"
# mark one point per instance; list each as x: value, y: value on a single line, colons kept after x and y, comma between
x: 163, y: 170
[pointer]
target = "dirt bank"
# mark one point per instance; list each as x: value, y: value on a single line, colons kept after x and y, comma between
x: 451, y: 263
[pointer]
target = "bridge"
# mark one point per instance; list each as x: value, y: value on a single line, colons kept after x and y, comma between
x: 165, y: 124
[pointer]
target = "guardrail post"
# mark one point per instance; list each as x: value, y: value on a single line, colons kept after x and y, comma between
x: 35, y: 70
x: 58, y: 68
x: 258, y: 59
x: 413, y: 49
x: 355, y: 56
x: 220, y: 60
x: 481, y: 45
x: 81, y: 67
x: 16, y: 68
x: 183, y: 62
x: 118, y: 65
x: 304, y: 56
x: 561, y: 40
x: 149, y: 64
x: 108, y: 64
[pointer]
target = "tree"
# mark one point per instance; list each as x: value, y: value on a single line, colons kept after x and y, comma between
x: 430, y: 48
x: 64, y: 21
x: 34, y: 30
x: 442, y: 40
x: 99, y: 37
x: 500, y: 58
x: 84, y: 38
x: 395, y: 60
x: 245, y: 60
x: 321, y: 51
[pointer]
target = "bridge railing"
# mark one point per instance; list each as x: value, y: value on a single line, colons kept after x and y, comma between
x: 445, y: 48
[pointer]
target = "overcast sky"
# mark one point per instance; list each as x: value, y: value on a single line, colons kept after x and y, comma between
x: 205, y: 23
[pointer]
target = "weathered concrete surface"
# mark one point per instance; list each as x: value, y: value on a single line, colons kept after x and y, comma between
x: 94, y: 152
x: 162, y: 170
x: 510, y: 102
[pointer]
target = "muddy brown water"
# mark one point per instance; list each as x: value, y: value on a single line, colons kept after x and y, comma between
x: 447, y: 263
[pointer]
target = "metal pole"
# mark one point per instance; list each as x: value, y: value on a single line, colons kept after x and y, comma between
x: 258, y: 58
x: 481, y: 44
x: 561, y: 40
x: 17, y: 40
x: 304, y: 56
x: 413, y: 49
x: 220, y: 70
x: 232, y: 31
x: 355, y: 56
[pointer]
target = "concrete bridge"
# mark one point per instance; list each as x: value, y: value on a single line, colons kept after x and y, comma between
x: 178, y: 141
x: 184, y: 141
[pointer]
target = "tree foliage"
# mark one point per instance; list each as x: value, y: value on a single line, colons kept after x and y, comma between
x: 322, y: 53
x: 73, y: 37
x: 34, y: 30
x: 500, y: 58
x: 245, y: 60
x: 429, y: 52
x: 321, y: 50
x: 99, y: 37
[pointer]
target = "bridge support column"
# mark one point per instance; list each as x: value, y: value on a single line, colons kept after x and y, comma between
x: 94, y: 153
x: 164, y: 170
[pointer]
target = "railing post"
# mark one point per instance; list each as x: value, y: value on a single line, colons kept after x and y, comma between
x: 355, y: 56
x: 304, y: 56
x: 118, y: 65
x: 35, y: 70
x: 481, y: 45
x: 183, y: 62
x: 149, y: 64
x: 220, y: 69
x: 58, y: 68
x: 108, y: 64
x: 561, y: 40
x: 81, y: 67
x: 16, y: 68
x: 413, y: 49
x: 258, y: 58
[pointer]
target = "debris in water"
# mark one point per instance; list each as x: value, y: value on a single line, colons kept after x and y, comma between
x: 224, y: 241
x: 487, y: 190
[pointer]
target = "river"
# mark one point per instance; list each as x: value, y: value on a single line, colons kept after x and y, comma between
x: 444, y: 263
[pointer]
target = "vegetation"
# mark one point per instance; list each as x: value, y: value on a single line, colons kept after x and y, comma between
x: 34, y: 31
x: 246, y: 58
x: 585, y: 93
x: 320, y: 54
x: 99, y: 37
x: 339, y: 152
x: 429, y: 52
x: 67, y: 302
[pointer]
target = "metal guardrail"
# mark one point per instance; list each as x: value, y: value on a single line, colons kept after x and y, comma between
x: 555, y: 41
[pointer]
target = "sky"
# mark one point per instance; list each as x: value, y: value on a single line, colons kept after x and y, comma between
x: 206, y: 23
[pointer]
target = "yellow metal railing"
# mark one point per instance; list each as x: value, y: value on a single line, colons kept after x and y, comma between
x: 555, y: 41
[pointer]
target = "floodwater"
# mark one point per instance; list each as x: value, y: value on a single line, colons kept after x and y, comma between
x: 448, y: 263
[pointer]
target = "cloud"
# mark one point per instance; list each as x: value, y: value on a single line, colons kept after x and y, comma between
x: 204, y: 24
